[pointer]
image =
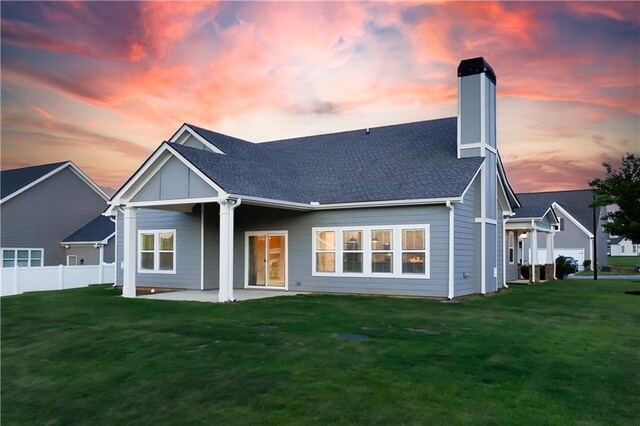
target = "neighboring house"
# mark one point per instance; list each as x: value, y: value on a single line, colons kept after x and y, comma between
x: 92, y: 244
x: 39, y: 207
x: 408, y: 209
x: 574, y: 232
x: 621, y: 246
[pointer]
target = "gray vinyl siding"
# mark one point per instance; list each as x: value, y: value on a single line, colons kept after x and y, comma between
x: 500, y: 253
x: 174, y: 181
x: 299, y: 226
x: 90, y: 254
x: 188, y: 256
x: 211, y: 245
x: 47, y: 213
x: 110, y: 251
x: 490, y: 258
x: 466, y: 237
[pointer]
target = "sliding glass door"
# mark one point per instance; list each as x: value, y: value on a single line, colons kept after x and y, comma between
x: 266, y: 259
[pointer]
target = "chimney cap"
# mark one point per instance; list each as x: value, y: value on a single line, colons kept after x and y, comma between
x: 476, y: 66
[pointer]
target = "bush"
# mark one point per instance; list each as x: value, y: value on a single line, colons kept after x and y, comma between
x: 563, y: 267
x: 587, y: 264
x: 525, y: 271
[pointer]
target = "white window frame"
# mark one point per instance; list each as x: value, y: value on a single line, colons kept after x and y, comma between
x: 512, y: 250
x: 15, y: 256
x: 334, y: 252
x: 156, y: 251
x: 366, y: 235
x: 345, y: 251
x: 69, y: 256
x: 392, y: 250
x: 267, y: 234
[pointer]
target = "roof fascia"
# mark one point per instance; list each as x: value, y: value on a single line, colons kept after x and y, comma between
x: 471, y: 181
x: 185, y: 131
x: 503, y: 175
x: 565, y: 213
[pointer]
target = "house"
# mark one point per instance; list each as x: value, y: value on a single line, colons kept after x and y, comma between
x: 621, y: 246
x: 92, y: 244
x: 40, y: 206
x: 409, y: 209
x: 574, y: 231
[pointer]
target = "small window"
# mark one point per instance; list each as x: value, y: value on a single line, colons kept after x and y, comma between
x: 413, y: 251
x: 352, y: 251
x: 621, y: 249
x: 325, y: 251
x: 157, y: 251
x: 72, y: 260
x: 512, y: 244
x: 23, y: 258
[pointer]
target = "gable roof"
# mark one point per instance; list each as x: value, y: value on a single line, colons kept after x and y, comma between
x: 412, y: 161
x: 15, y: 181
x: 531, y: 211
x: 575, y: 202
x: 98, y: 230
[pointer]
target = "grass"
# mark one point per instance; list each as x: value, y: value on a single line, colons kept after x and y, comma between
x: 557, y: 353
x: 623, y: 261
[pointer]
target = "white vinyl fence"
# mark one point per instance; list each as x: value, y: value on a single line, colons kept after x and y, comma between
x: 20, y: 280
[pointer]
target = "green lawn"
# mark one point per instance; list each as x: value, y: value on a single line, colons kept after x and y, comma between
x: 624, y: 261
x: 557, y: 353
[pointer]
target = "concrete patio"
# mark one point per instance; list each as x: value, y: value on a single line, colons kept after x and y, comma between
x: 211, y: 296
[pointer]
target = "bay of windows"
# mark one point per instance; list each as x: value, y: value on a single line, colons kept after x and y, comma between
x: 384, y: 251
x: 24, y: 258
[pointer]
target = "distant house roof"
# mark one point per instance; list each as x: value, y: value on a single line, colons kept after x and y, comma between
x: 576, y: 203
x: 412, y: 161
x: 616, y: 240
x: 529, y: 211
x: 16, y: 179
x: 98, y: 230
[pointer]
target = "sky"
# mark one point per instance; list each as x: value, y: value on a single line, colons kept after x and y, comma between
x: 104, y: 83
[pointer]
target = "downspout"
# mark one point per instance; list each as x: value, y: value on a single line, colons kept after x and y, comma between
x: 231, y: 235
x: 450, y: 293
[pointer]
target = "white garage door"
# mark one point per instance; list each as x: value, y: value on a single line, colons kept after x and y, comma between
x: 577, y: 254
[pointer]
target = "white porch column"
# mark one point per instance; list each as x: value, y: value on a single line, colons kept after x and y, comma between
x: 226, y: 246
x: 553, y: 250
x: 550, y: 247
x: 129, y: 281
x: 534, y: 253
x: 101, y: 265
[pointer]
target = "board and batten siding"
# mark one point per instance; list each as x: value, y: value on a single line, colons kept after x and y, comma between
x: 42, y: 216
x: 188, y: 256
x: 467, y: 242
x: 299, y: 226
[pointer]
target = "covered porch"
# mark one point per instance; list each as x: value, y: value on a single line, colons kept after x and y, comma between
x: 213, y: 296
x: 523, y: 237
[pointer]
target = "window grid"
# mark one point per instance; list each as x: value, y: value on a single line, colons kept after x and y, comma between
x: 152, y: 256
x: 22, y: 257
x: 382, y: 248
x: 327, y: 252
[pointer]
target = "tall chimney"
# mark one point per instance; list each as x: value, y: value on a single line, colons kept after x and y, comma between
x: 476, y: 108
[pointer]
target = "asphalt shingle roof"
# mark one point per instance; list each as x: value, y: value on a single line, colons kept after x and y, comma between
x: 575, y: 202
x: 531, y: 210
x: 96, y: 230
x: 15, y: 179
x: 405, y: 161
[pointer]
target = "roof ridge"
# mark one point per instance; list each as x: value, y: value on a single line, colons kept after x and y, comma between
x: 58, y: 163
x: 553, y: 192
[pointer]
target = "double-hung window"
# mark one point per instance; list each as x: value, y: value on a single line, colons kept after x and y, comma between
x: 27, y: 257
x: 413, y: 251
x: 393, y: 251
x: 352, y: 253
x: 512, y: 237
x: 157, y: 251
x: 325, y: 251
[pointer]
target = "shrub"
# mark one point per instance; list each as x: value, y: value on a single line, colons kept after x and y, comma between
x: 563, y: 267
x: 587, y: 264
x: 525, y: 271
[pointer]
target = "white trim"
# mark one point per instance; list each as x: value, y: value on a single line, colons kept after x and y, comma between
x: 483, y: 229
x: 451, y: 280
x: 566, y: 214
x: 396, y: 249
x: 387, y: 203
x: 486, y: 220
x: 202, y: 246
x: 15, y: 258
x: 70, y: 256
x: 175, y: 202
x: 156, y: 251
x: 459, y: 107
x: 479, y: 145
x: 86, y: 179
x: 483, y: 120
x: 471, y: 182
x: 179, y: 138
x: 115, y: 250
x: 266, y: 234
x: 511, y: 244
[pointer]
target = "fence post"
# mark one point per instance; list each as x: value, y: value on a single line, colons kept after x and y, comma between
x: 101, y: 267
x: 60, y: 277
x: 16, y: 278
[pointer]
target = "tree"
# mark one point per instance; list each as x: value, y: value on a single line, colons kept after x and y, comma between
x: 621, y: 187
